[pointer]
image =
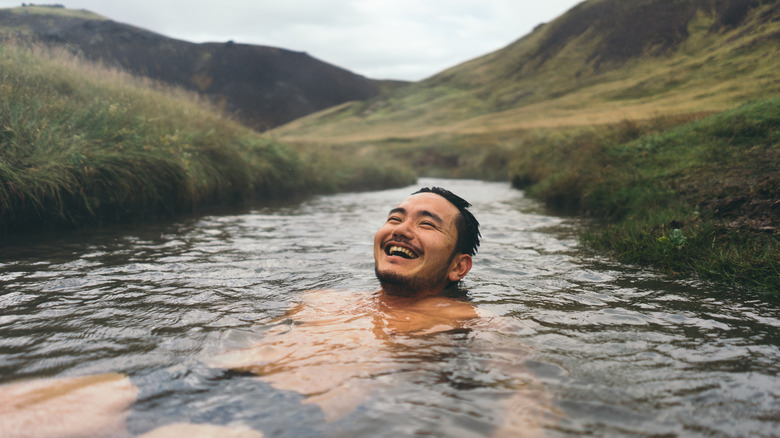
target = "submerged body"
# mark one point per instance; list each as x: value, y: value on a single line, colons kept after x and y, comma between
x: 341, y: 350
x: 333, y: 345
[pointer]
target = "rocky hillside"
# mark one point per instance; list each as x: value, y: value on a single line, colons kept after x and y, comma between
x: 262, y: 86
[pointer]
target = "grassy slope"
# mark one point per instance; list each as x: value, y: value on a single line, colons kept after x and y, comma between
x: 56, y: 11
x: 523, y: 87
x: 700, y: 197
x: 260, y: 86
x: 84, y: 145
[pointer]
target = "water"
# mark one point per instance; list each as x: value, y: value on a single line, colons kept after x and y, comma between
x: 600, y: 349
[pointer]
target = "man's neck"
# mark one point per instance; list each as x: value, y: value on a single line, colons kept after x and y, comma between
x: 404, y: 295
x: 396, y: 300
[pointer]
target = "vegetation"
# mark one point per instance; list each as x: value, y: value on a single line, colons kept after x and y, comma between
x: 600, y: 63
x: 84, y: 145
x: 702, y: 197
x: 56, y: 10
x: 261, y: 87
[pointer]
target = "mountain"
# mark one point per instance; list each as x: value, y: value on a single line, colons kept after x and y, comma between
x: 603, y: 61
x: 262, y: 86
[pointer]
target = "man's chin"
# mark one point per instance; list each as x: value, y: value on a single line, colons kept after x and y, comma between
x: 399, y: 285
x: 395, y: 284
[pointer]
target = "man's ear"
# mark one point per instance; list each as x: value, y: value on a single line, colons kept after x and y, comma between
x: 461, y: 265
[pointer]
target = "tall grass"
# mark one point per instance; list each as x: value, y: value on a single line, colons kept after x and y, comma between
x: 81, y: 144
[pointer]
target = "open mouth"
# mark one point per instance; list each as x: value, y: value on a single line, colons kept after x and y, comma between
x: 394, y: 250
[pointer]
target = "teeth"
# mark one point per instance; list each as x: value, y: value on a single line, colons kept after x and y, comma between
x: 397, y: 249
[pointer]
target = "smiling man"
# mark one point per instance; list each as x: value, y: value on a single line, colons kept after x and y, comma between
x: 426, y: 245
x: 339, y: 349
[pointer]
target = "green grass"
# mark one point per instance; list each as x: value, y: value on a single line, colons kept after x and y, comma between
x: 701, y: 197
x: 57, y: 11
x: 558, y: 77
x: 82, y: 145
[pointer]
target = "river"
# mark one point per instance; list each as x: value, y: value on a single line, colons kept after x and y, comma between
x: 613, y: 350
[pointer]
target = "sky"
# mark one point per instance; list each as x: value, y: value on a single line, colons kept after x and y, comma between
x: 380, y: 39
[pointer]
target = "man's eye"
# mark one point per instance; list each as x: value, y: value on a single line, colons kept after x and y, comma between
x: 428, y: 224
x: 393, y: 219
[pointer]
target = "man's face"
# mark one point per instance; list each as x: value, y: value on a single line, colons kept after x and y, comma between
x: 414, y: 250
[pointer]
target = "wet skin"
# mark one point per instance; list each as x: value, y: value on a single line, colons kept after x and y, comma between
x: 339, y: 339
x: 339, y: 348
x: 84, y: 407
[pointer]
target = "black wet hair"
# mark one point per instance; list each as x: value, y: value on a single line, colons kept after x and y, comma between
x: 466, y: 224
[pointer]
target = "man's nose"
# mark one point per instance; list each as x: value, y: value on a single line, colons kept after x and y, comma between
x: 402, y: 229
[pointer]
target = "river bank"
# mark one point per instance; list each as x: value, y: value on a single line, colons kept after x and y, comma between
x: 83, y: 145
x: 701, y: 197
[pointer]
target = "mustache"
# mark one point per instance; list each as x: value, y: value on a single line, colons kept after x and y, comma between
x: 404, y: 241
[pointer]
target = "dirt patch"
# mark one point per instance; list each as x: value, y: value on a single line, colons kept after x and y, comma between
x: 745, y: 212
x: 755, y: 205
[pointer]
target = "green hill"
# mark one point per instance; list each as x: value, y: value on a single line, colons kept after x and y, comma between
x: 604, y: 61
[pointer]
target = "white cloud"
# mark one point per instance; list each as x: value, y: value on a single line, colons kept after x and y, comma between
x: 387, y: 39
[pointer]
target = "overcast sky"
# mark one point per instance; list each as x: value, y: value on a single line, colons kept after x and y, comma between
x: 381, y: 39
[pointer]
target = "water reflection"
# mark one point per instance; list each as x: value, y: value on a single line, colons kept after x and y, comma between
x: 340, y: 349
x: 620, y: 350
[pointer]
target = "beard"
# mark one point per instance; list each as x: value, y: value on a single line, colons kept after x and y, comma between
x: 404, y: 286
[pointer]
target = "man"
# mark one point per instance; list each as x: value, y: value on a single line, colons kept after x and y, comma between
x: 426, y: 245
x: 422, y: 251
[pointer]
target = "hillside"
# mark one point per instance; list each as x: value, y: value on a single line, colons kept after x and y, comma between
x: 602, y: 62
x: 83, y: 145
x: 262, y: 86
